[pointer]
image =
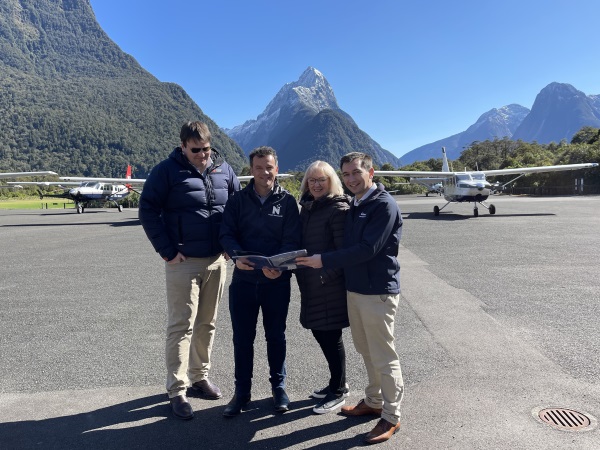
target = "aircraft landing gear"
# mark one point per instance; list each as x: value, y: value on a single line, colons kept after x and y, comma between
x: 79, y: 207
x: 437, y: 209
x: 120, y: 208
x: 491, y: 208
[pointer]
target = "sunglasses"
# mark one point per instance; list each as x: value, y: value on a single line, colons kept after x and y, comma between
x: 201, y: 149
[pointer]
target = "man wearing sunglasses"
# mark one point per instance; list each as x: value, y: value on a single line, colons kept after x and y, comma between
x: 181, y: 209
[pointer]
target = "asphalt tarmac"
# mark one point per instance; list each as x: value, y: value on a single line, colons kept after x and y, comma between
x: 498, y: 320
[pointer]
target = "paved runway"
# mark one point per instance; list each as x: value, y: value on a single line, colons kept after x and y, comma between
x: 498, y: 319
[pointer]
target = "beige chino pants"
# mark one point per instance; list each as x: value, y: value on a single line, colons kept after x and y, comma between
x: 372, y: 327
x: 194, y: 289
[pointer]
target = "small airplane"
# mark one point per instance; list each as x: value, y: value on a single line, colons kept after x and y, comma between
x: 89, y: 189
x: 472, y: 186
x: 433, y: 185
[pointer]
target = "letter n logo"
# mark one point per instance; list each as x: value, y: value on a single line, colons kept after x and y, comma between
x: 276, y: 210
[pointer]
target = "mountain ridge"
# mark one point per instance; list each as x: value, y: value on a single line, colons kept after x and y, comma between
x: 558, y: 112
x: 77, y: 104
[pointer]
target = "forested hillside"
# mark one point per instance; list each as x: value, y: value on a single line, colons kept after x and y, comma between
x: 73, y: 102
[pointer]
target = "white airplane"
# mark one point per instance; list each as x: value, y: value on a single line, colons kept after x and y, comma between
x: 472, y: 186
x: 89, y: 189
x: 433, y: 185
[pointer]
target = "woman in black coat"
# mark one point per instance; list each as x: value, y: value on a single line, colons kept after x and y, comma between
x: 323, y: 307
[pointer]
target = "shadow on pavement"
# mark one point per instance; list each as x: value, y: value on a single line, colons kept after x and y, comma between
x: 147, y: 423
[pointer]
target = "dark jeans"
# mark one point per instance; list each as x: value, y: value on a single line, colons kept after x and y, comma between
x: 333, y: 348
x: 245, y: 301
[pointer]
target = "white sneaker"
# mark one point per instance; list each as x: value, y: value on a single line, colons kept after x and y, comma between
x: 331, y: 402
x: 322, y: 393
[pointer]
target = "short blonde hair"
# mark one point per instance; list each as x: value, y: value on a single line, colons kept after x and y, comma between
x: 334, y: 181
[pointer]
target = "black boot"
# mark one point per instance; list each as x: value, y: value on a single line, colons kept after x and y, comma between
x: 280, y: 399
x: 236, y: 405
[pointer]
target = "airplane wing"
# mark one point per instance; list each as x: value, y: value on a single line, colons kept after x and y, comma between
x: 44, y: 183
x: 106, y: 180
x: 414, y: 174
x: 524, y: 170
x: 249, y: 177
x: 516, y: 171
x: 26, y: 174
x: 143, y: 180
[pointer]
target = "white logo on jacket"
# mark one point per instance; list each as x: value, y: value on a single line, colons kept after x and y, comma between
x: 276, y: 211
x: 362, y: 215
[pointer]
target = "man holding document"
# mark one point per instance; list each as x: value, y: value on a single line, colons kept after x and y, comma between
x: 261, y: 219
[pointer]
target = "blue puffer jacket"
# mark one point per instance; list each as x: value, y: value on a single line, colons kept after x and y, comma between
x: 269, y: 229
x: 181, y: 210
x: 371, y: 242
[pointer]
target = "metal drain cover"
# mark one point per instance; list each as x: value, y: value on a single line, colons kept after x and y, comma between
x: 565, y: 419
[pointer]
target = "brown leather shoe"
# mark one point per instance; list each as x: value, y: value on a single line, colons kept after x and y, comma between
x: 382, y: 432
x: 361, y: 409
x: 181, y: 407
x: 205, y: 389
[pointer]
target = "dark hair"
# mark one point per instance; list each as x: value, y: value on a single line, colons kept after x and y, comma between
x: 194, y: 130
x: 366, y: 162
x: 261, y: 152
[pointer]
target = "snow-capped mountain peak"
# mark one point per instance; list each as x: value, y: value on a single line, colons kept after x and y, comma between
x: 311, y: 91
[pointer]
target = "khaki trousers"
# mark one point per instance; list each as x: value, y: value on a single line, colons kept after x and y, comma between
x: 194, y: 289
x: 372, y: 327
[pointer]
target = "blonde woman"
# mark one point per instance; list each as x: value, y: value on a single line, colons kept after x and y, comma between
x: 323, y: 307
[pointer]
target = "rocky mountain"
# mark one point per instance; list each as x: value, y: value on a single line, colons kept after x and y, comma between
x: 497, y: 122
x: 303, y: 122
x: 73, y: 102
x: 558, y: 112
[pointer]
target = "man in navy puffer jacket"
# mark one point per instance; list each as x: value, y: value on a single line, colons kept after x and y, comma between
x: 262, y: 218
x: 181, y: 209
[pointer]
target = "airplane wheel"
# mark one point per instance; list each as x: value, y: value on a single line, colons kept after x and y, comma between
x: 436, y: 210
x: 120, y: 208
x: 492, y: 209
x: 79, y: 209
x: 476, y: 212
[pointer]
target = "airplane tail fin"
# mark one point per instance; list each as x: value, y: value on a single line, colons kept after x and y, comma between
x: 445, y: 167
x: 128, y: 174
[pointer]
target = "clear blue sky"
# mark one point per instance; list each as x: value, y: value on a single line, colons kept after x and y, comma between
x: 408, y: 72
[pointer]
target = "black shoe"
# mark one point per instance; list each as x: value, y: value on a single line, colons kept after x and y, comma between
x: 330, y: 403
x: 205, y: 389
x: 181, y: 407
x: 281, y: 400
x: 236, y: 405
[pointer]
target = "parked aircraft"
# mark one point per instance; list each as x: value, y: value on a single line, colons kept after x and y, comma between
x: 87, y: 189
x: 472, y: 186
